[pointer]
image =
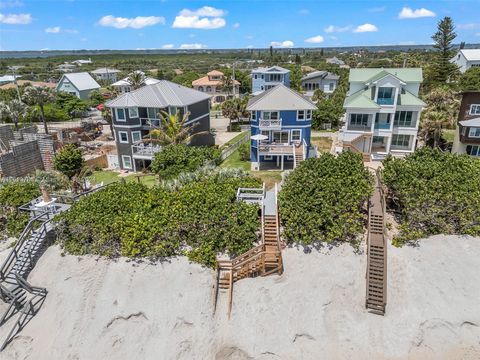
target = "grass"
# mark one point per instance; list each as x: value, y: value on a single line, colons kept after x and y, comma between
x: 234, y: 140
x: 324, y: 144
x: 234, y: 161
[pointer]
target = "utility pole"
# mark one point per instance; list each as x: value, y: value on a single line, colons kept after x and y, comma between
x: 233, y: 79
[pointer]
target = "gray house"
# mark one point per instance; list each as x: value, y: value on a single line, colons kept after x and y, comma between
x: 78, y: 84
x: 323, y: 80
x: 136, y: 113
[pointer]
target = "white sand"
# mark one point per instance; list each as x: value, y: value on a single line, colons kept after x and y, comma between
x: 99, y: 309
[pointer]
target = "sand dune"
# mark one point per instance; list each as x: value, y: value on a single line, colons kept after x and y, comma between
x: 100, y: 309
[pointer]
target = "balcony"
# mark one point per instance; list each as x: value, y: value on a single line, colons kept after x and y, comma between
x: 385, y: 101
x: 382, y: 126
x: 270, y: 124
x: 275, y: 149
x: 146, y: 151
x: 364, y: 128
x: 155, y: 123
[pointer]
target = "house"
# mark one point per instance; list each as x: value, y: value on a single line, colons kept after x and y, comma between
x: 382, y: 112
x: 335, y: 61
x: 323, y: 80
x: 212, y: 84
x: 136, y: 113
x: 66, y: 67
x: 78, y: 84
x: 106, y: 74
x: 81, y: 62
x: 281, y: 121
x: 467, y: 137
x: 266, y: 78
x: 123, y: 86
x: 6, y: 79
x: 466, y: 58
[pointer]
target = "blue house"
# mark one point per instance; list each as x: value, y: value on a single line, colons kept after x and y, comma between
x: 266, y: 78
x: 281, y: 122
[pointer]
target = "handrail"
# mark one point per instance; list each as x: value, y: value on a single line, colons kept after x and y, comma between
x: 240, y: 260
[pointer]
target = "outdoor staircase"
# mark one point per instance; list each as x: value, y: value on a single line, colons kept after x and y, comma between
x: 262, y: 260
x: 376, y: 292
x: 298, y: 156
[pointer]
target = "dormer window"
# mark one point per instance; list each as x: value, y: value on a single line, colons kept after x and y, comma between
x: 385, y: 96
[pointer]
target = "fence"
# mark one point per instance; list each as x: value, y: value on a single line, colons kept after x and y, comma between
x: 232, y: 148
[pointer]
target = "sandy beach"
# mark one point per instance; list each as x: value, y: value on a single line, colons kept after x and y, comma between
x: 102, y: 309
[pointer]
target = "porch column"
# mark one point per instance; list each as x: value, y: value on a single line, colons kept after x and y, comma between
x: 283, y: 157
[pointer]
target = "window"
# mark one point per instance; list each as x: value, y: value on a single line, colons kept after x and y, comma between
x: 136, y: 136
x: 280, y: 136
x: 120, y: 114
x: 400, y: 140
x: 474, y: 132
x: 309, y: 114
x: 385, y: 96
x: 475, y: 109
x: 266, y: 133
x: 473, y: 150
x: 403, y: 118
x: 133, y: 112
x: 127, y: 162
x: 331, y: 86
x: 209, y: 89
x: 296, y: 135
x: 304, y: 114
x: 268, y: 157
x: 200, y: 88
x: 255, y: 76
x: 359, y: 119
x: 152, y: 113
x: 270, y: 115
x: 253, y: 115
x: 123, y: 137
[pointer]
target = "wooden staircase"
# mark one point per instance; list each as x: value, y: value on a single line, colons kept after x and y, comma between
x: 262, y: 260
x: 298, y: 155
x: 376, y: 292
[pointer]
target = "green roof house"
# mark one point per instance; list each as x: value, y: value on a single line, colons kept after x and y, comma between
x: 382, y: 112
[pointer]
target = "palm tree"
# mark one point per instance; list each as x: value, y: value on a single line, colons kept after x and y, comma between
x: 235, y: 109
x: 173, y: 130
x: 14, y: 109
x: 39, y: 95
x: 227, y: 85
x: 136, y: 79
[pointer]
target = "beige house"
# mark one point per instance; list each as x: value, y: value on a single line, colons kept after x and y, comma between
x: 212, y: 84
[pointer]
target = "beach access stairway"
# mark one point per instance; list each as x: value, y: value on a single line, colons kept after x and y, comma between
x: 376, y: 287
x: 299, y: 154
x: 262, y: 260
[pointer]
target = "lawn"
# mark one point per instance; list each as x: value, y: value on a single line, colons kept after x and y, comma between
x: 234, y: 161
x: 324, y: 144
x: 234, y: 140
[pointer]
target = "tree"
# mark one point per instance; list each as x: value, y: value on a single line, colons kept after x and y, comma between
x: 107, y: 115
x: 173, y: 130
x: 441, y: 112
x: 186, y: 78
x: 95, y: 98
x: 235, y: 109
x: 70, y: 103
x: 318, y: 95
x: 470, y: 80
x: 296, y: 78
x: 39, y: 96
x: 15, y: 110
x: 69, y: 161
x: 136, y: 79
x: 227, y: 85
x: 443, y: 38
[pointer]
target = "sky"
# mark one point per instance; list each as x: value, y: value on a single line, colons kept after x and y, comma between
x: 172, y: 24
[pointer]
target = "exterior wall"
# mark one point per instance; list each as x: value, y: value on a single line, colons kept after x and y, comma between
x: 322, y: 84
x: 24, y: 159
x: 463, y: 64
x: 468, y: 99
x: 261, y: 84
x: 66, y: 86
x: 111, y: 77
x: 462, y: 139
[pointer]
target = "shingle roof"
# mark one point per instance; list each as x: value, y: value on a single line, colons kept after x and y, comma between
x: 280, y: 98
x: 323, y: 74
x: 471, y: 122
x: 405, y: 74
x: 162, y: 94
x: 82, y: 81
x: 105, y: 71
x: 361, y: 99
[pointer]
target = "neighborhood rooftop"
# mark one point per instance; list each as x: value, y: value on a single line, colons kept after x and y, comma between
x: 280, y: 97
x: 162, y: 94
x: 277, y: 69
x: 323, y: 74
x: 471, y: 54
x: 82, y: 81
x: 105, y: 71
x: 405, y: 74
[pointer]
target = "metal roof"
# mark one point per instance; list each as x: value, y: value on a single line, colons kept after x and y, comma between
x: 105, y: 71
x: 471, y: 122
x: 271, y: 69
x: 280, y: 98
x: 320, y: 74
x: 361, y: 99
x: 471, y: 54
x: 405, y: 74
x: 162, y: 94
x: 82, y: 81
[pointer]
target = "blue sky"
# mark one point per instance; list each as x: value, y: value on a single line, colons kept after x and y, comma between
x: 156, y: 24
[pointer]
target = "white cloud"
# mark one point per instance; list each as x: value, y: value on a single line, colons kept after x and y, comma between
x: 10, y: 4
x: 409, y: 13
x: 134, y: 23
x: 471, y: 26
x: 236, y: 25
x: 282, y: 44
x: 333, y: 28
x: 15, y: 19
x: 315, y: 39
x: 193, y: 46
x: 168, y: 46
x: 206, y: 18
x: 365, y: 28
x: 53, y: 30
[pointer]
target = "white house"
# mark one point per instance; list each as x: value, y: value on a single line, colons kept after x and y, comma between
x: 267, y: 78
x: 323, y: 80
x: 78, y: 84
x: 106, y: 74
x: 123, y: 86
x: 382, y: 112
x: 466, y: 58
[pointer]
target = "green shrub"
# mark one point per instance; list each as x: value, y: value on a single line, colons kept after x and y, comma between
x: 244, y: 151
x: 69, y: 160
x: 324, y: 199
x: 52, y: 113
x: 174, y: 159
x: 435, y: 193
x: 197, y: 215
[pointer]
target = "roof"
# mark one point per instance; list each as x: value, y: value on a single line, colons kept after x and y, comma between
x: 25, y: 82
x: 280, y: 97
x: 408, y: 99
x: 321, y: 74
x: 365, y: 75
x: 105, y: 71
x: 148, y: 81
x: 159, y: 95
x: 335, y: 60
x: 215, y: 73
x: 205, y: 80
x: 82, y: 81
x: 8, y: 78
x: 471, y: 54
x: 361, y: 99
x: 471, y: 122
x: 271, y: 69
